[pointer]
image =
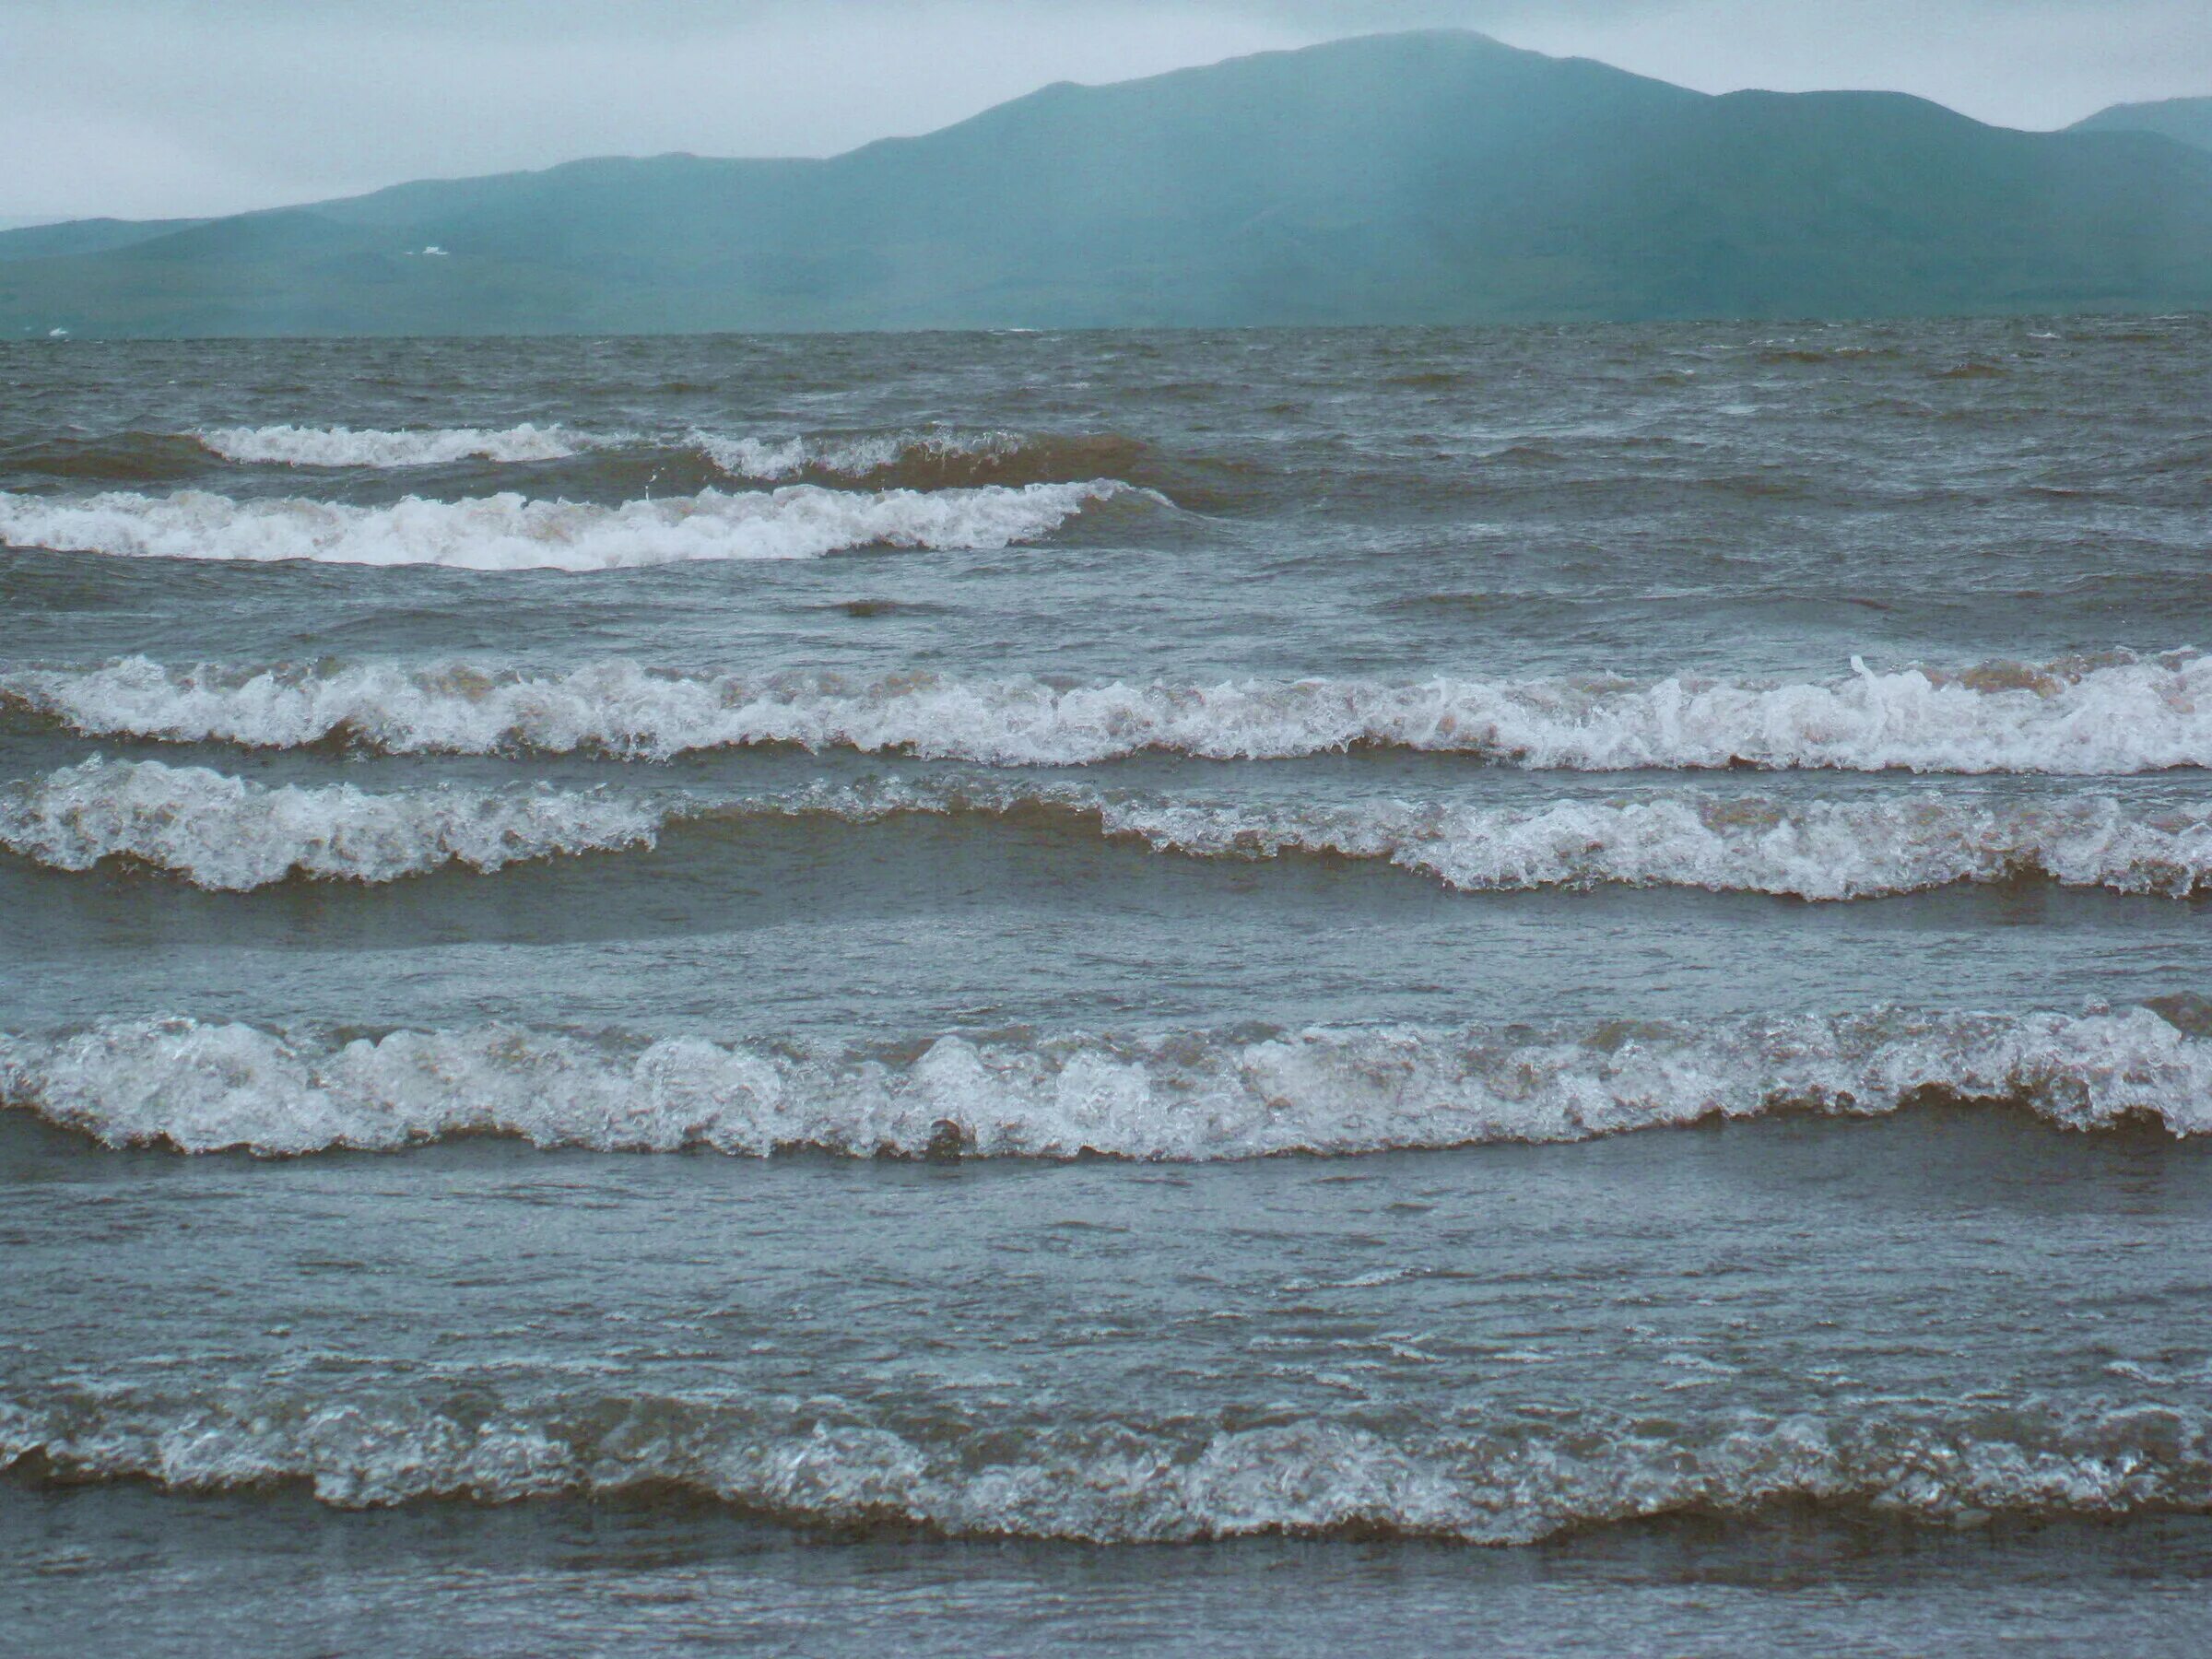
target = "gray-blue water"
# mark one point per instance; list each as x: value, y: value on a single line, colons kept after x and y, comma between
x: 1537, y: 990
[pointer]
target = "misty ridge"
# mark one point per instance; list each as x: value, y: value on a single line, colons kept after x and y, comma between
x: 1437, y: 177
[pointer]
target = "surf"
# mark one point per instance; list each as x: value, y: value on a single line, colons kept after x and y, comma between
x: 223, y: 832
x: 2121, y: 714
x: 1173, y: 1097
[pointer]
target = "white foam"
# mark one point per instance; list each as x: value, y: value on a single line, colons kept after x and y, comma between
x: 226, y: 833
x: 754, y: 458
x: 2121, y: 716
x: 1488, y: 1477
x: 1816, y: 850
x: 347, y: 447
x: 856, y: 456
x: 507, y: 532
x: 1177, y: 1097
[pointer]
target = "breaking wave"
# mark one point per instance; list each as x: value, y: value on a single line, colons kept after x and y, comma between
x: 1494, y: 1478
x: 226, y: 833
x: 347, y: 446
x: 1186, y: 1097
x: 2120, y: 714
x: 930, y: 459
x: 922, y: 458
x: 507, y: 532
x: 1819, y: 850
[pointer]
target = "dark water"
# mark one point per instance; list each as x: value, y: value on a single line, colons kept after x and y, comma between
x: 1534, y: 991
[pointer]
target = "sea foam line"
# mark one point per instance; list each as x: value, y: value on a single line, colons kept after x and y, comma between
x: 224, y: 832
x: 1817, y: 850
x: 2119, y: 714
x: 1497, y: 1477
x: 754, y: 458
x: 509, y: 532
x: 941, y: 455
x: 341, y: 446
x: 1185, y: 1095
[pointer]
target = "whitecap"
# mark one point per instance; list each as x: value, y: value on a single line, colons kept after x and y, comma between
x: 225, y: 832
x: 1175, y: 1097
x: 509, y: 532
x: 228, y: 833
x: 341, y: 446
x: 855, y: 455
x: 1488, y: 1477
x: 1816, y: 850
x: 2121, y: 714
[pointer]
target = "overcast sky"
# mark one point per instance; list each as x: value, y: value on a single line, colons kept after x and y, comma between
x: 149, y: 108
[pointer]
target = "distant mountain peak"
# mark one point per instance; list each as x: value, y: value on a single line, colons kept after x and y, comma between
x: 2186, y: 120
x: 1423, y: 176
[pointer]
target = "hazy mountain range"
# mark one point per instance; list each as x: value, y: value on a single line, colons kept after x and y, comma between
x: 1436, y: 177
x: 2189, y: 119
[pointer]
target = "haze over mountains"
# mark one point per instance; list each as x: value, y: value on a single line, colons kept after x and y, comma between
x: 1435, y: 177
x: 2188, y: 120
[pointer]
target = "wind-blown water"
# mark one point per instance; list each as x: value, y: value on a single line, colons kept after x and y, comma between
x: 684, y: 990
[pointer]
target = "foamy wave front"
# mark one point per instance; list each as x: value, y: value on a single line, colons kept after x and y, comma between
x: 507, y: 532
x: 347, y: 447
x: 929, y: 457
x: 2121, y: 714
x: 856, y: 456
x: 1816, y: 850
x: 228, y: 833
x: 1190, y: 1097
x: 1488, y: 1479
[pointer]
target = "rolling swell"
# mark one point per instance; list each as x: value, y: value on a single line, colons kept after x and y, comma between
x: 507, y: 532
x: 222, y: 832
x: 114, y: 458
x: 1190, y: 1097
x: 2119, y: 714
x: 1495, y: 1478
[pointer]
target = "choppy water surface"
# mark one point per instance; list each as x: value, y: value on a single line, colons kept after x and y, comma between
x: 1539, y: 989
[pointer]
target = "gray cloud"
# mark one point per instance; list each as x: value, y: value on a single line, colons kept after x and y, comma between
x: 148, y: 107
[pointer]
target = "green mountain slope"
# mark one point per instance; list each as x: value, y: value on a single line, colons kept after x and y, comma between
x: 85, y: 236
x: 1432, y: 177
x: 2185, y: 120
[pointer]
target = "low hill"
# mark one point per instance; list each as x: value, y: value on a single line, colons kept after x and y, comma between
x: 2185, y: 120
x: 1437, y: 177
x: 85, y: 236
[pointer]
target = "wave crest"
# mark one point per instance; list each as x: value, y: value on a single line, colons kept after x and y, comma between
x: 1496, y: 1479
x: 2121, y: 714
x: 1816, y: 850
x: 347, y: 447
x: 228, y: 833
x: 509, y: 532
x: 931, y: 459
x: 1183, y: 1097
x: 922, y: 458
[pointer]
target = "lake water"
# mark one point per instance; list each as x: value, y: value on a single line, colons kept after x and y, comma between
x: 1522, y: 990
